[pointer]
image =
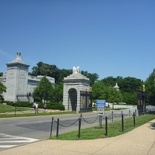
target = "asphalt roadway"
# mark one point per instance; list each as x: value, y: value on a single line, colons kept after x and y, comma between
x: 140, y: 141
x: 39, y: 127
x: 20, y: 131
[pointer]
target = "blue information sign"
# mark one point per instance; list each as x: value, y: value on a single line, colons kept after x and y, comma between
x: 101, y: 103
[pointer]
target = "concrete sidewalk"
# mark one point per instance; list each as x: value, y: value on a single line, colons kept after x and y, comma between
x: 140, y: 141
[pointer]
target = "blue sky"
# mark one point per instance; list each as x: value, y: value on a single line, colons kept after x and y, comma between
x: 107, y: 37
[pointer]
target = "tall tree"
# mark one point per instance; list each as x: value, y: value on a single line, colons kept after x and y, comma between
x: 113, y: 95
x: 109, y: 81
x: 101, y: 91
x: 98, y: 90
x: 130, y: 84
x: 130, y: 97
x: 150, y: 88
x: 2, y: 89
x: 58, y: 93
x: 93, y: 77
x: 50, y: 70
x: 44, y: 90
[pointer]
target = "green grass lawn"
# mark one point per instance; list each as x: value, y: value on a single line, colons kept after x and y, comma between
x: 114, y: 129
x: 8, y: 108
x: 11, y: 111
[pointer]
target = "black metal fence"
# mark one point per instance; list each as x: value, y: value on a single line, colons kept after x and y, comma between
x: 103, y: 118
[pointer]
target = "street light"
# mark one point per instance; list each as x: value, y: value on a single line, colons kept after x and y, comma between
x: 144, y: 104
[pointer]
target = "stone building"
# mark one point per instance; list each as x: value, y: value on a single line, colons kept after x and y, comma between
x: 19, y: 84
x: 77, y: 92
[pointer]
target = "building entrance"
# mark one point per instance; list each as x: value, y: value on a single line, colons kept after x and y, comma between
x: 73, y: 98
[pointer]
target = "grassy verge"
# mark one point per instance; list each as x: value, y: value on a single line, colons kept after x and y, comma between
x: 114, y: 129
x: 7, y: 111
x: 8, y: 108
x: 33, y: 114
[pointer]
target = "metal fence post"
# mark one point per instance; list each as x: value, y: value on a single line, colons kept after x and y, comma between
x: 51, y: 127
x: 15, y: 108
x: 134, y: 122
x: 79, y: 128
x: 57, y: 128
x: 122, y: 123
x: 100, y: 120
x: 106, y: 126
x: 112, y: 116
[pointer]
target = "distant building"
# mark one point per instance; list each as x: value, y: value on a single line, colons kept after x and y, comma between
x: 20, y: 85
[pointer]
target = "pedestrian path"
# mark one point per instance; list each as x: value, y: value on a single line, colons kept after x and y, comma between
x: 140, y: 141
x: 9, y: 141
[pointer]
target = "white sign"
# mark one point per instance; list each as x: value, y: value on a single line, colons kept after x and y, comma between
x: 100, y: 111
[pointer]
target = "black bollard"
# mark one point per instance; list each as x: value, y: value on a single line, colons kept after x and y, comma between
x: 51, y: 127
x: 106, y: 126
x: 134, y: 121
x: 122, y: 123
x: 57, y: 128
x: 79, y: 128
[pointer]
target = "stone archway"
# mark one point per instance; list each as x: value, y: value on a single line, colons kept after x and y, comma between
x: 72, y: 95
x: 73, y: 85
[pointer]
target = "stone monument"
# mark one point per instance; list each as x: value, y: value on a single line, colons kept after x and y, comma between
x: 16, y: 78
x: 116, y: 87
x: 77, y: 92
x: 20, y: 86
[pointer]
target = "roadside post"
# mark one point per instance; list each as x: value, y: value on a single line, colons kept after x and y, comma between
x: 101, y: 105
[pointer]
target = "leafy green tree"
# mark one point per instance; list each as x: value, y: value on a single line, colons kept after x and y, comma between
x: 2, y: 89
x: 150, y: 88
x: 58, y: 93
x: 93, y: 77
x: 100, y: 91
x: 44, y: 90
x: 128, y: 87
x: 130, y: 98
x: 59, y: 74
x: 50, y: 70
x: 109, y: 81
x: 130, y: 84
x: 113, y: 95
x: 1, y: 74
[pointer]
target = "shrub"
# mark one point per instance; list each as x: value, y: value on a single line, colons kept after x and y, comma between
x: 50, y: 105
x: 19, y: 104
x: 55, y: 106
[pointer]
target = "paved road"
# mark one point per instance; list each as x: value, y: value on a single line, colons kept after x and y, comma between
x: 38, y: 127
x: 30, y: 129
x: 9, y: 141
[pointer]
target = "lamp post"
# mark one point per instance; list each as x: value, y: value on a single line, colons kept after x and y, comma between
x: 144, y: 103
x: 86, y: 99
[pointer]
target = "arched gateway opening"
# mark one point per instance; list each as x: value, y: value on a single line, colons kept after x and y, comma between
x: 72, y: 95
